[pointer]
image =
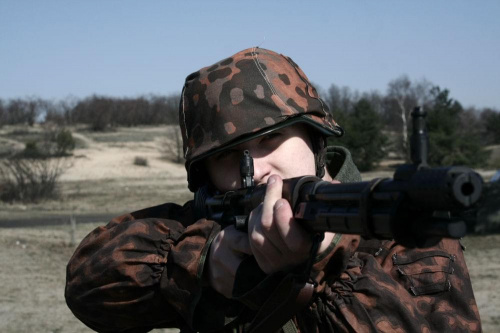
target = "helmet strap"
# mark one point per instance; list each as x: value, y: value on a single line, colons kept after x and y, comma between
x: 319, y: 146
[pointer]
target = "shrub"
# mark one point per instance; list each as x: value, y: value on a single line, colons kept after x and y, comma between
x: 31, y: 150
x: 141, y: 161
x: 64, y: 142
x: 30, y: 179
x: 55, y: 142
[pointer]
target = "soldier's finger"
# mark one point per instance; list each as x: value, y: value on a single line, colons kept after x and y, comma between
x: 273, y: 194
x: 296, y: 238
x: 266, y: 231
x: 268, y: 259
x: 239, y: 241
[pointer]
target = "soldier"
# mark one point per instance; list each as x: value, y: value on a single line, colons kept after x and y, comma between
x: 165, y: 266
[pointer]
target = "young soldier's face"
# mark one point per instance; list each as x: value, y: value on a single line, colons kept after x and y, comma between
x: 286, y: 152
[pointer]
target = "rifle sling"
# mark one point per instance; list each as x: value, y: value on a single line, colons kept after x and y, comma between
x: 291, y: 295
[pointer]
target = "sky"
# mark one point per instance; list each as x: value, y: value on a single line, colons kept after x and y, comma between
x: 58, y: 49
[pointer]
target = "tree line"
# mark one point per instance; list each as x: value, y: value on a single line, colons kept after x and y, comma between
x: 98, y: 112
x: 376, y: 124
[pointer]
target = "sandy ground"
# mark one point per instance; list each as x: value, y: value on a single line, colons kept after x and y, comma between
x: 482, y: 256
x: 102, y: 179
x: 104, y: 160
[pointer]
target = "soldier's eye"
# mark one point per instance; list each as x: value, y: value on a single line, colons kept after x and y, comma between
x: 271, y: 136
x: 225, y: 154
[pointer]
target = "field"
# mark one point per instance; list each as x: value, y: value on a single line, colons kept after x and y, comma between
x: 103, y: 181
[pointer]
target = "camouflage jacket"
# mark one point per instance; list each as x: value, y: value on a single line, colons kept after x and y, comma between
x: 144, y: 270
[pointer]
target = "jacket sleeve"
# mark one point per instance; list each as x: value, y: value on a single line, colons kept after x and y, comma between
x: 396, y: 289
x: 135, y: 275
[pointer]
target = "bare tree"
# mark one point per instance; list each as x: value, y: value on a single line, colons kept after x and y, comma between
x: 399, y: 91
x: 24, y: 111
x: 2, y: 113
x: 172, y: 145
x: 172, y: 108
x: 341, y: 98
x: 402, y: 97
x: 15, y: 112
x: 31, y: 110
x: 341, y: 101
x: 66, y: 106
x: 376, y: 101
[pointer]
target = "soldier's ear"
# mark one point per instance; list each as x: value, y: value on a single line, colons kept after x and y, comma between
x: 197, y: 175
x: 319, y: 147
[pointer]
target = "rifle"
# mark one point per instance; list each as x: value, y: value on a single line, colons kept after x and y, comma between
x: 417, y: 207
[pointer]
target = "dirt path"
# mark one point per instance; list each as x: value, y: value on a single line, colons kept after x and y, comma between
x: 84, y: 139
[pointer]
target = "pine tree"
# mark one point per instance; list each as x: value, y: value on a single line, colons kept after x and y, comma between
x: 363, y: 135
x: 491, y: 123
x: 449, y: 144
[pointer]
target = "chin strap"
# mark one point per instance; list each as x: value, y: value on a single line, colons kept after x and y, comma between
x: 319, y: 147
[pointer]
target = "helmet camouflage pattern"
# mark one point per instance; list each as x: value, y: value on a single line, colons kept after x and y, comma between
x: 242, y: 97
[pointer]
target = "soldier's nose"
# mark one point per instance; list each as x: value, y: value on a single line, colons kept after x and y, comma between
x: 262, y: 170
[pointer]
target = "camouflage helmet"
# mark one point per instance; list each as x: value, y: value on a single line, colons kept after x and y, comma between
x: 243, y: 97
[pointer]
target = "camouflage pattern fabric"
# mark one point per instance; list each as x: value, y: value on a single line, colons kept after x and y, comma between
x: 244, y: 96
x: 386, y: 287
x: 120, y: 275
x: 144, y: 270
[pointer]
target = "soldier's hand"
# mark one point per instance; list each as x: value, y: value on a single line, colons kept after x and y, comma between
x: 277, y: 241
x: 227, y: 251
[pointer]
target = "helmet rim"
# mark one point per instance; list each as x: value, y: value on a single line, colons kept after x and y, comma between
x: 302, y: 118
